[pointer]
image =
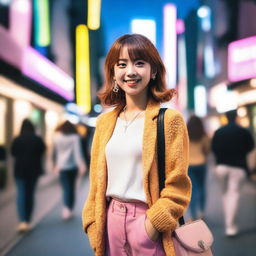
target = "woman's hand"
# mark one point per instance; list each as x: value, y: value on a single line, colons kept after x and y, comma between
x: 151, y: 231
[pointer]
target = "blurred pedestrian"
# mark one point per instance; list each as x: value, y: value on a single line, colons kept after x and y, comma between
x: 28, y: 150
x: 231, y: 145
x: 85, y: 134
x: 68, y: 161
x: 199, y: 147
x: 125, y: 214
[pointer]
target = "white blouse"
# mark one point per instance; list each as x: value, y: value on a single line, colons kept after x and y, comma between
x: 124, y: 161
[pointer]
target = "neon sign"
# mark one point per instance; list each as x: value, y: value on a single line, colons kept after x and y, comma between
x: 242, y: 59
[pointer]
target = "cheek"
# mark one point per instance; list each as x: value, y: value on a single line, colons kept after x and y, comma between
x: 147, y: 76
x: 118, y: 74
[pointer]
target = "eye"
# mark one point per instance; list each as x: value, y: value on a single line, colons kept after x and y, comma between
x: 121, y: 64
x: 140, y: 63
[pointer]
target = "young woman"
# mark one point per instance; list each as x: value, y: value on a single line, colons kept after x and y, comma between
x: 27, y: 150
x: 199, y: 147
x: 125, y: 214
x: 68, y: 161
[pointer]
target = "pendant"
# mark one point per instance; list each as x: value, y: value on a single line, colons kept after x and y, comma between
x: 125, y: 128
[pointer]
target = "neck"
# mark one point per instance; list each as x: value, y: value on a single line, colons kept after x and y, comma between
x: 138, y: 103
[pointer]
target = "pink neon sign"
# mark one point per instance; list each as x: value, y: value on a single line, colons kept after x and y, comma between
x: 242, y: 59
x: 35, y: 66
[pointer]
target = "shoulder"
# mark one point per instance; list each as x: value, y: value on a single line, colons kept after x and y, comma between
x: 174, y: 123
x: 38, y: 138
x: 104, y: 117
x: 173, y: 116
x: 246, y: 132
x: 206, y: 138
x: 57, y: 136
x: 16, y: 139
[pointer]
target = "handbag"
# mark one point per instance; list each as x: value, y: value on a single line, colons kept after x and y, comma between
x: 192, y: 238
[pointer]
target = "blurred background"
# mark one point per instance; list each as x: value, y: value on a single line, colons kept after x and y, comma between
x: 52, y: 54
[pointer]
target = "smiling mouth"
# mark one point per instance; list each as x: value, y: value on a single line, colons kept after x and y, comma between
x: 132, y: 81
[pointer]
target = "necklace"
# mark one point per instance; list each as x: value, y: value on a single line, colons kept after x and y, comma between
x: 127, y: 124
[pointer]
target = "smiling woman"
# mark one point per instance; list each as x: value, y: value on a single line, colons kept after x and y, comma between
x: 134, y: 57
x: 132, y: 76
x: 125, y: 213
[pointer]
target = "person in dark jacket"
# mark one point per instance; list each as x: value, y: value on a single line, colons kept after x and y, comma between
x: 231, y: 145
x: 27, y: 150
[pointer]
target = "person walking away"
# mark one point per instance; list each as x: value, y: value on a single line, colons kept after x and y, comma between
x: 125, y: 213
x: 27, y: 150
x: 68, y: 161
x: 85, y: 134
x: 231, y: 145
x: 199, y: 147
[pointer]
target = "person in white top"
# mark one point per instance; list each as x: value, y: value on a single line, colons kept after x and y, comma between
x: 68, y: 161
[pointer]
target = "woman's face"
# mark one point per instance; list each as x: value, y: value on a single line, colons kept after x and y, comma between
x: 132, y: 76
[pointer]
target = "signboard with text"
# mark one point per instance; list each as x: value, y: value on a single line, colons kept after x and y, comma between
x: 242, y: 59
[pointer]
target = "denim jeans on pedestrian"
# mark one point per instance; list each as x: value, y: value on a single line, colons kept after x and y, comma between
x: 197, y: 174
x: 25, y: 197
x: 67, y: 180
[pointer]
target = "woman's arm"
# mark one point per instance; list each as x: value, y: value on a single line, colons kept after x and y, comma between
x: 88, y: 213
x: 175, y: 197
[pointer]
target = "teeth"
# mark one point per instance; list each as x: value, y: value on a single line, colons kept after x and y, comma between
x: 131, y: 81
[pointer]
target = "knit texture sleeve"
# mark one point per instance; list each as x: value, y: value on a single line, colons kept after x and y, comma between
x: 88, y: 212
x: 175, y: 197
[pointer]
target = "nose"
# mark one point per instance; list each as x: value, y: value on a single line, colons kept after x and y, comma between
x: 131, y: 71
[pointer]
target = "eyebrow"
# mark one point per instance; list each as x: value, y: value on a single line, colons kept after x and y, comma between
x: 134, y: 60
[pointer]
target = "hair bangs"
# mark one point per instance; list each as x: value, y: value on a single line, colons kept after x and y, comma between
x: 137, y: 52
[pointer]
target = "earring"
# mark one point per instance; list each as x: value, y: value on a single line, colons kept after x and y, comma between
x: 115, y: 88
x: 154, y: 76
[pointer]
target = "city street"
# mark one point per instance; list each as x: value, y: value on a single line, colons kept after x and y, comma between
x: 53, y: 237
x: 69, y: 68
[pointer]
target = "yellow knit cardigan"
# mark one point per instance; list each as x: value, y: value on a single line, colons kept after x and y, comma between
x: 164, y: 210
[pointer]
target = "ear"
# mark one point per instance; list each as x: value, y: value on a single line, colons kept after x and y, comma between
x: 153, y: 75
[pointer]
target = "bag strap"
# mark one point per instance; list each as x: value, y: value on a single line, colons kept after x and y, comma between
x: 161, y: 153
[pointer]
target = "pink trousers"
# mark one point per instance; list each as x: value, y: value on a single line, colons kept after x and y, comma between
x: 126, y: 234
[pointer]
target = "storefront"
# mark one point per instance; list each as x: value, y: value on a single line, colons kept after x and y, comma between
x: 239, y: 91
x: 242, y: 78
x: 31, y: 87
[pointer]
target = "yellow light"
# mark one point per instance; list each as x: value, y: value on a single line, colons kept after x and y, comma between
x: 83, y: 90
x: 93, y: 21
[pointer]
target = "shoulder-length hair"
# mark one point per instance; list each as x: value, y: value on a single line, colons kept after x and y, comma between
x: 196, y: 129
x: 27, y: 128
x: 67, y: 128
x: 139, y: 47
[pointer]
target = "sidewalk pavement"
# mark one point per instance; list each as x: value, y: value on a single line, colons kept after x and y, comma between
x: 245, y: 243
x: 53, y: 237
x: 47, y: 195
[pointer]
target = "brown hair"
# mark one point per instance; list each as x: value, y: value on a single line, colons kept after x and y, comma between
x: 27, y: 128
x: 139, y: 47
x: 67, y: 128
x: 196, y: 129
